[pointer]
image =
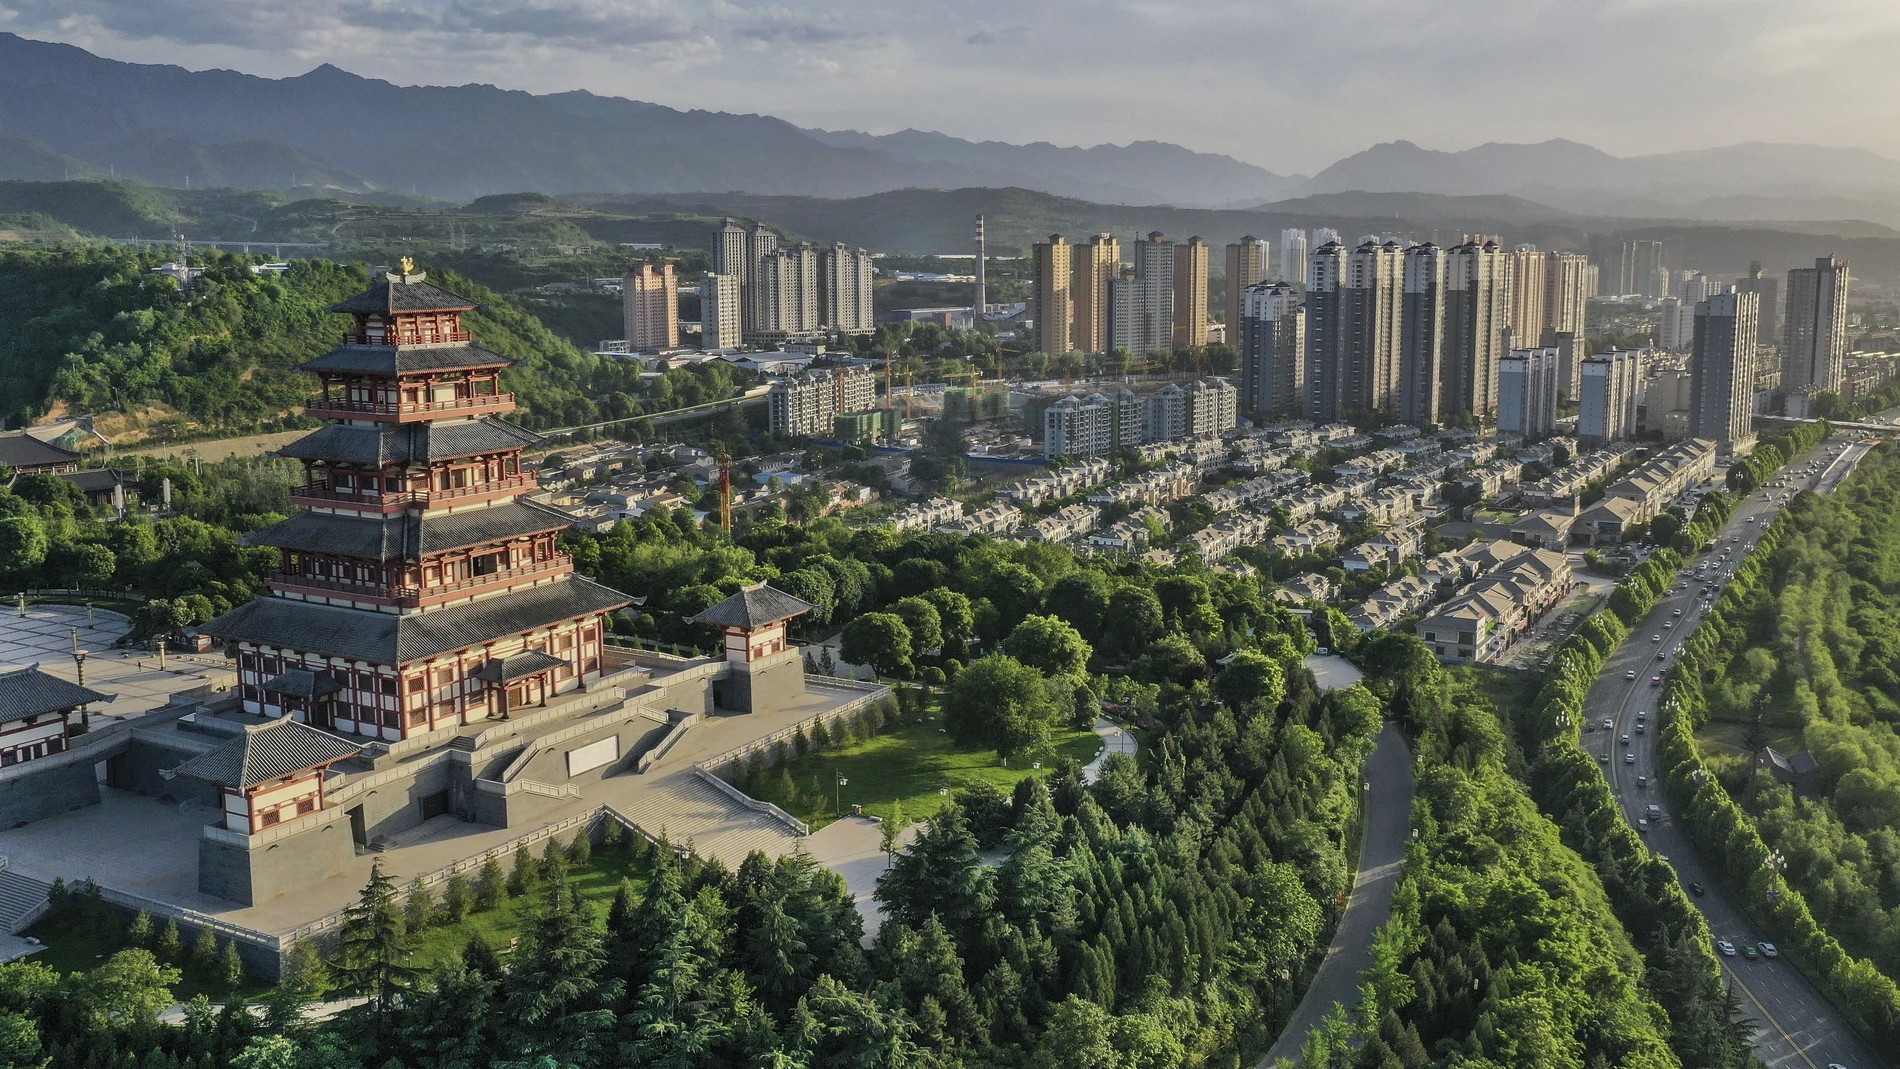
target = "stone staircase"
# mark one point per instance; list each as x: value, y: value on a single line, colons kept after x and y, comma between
x: 686, y: 808
x: 22, y: 900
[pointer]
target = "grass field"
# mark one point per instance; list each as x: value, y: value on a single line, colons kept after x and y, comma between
x: 597, y: 881
x: 910, y: 765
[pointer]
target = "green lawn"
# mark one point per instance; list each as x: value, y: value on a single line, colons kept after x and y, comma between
x: 910, y: 764
x: 597, y: 882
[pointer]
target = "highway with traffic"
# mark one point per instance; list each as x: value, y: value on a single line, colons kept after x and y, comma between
x: 1797, y: 1026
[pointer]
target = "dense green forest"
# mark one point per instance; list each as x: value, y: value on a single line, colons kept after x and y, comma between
x: 97, y: 330
x: 1804, y: 647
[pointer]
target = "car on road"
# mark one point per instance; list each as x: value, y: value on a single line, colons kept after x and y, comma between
x: 1727, y: 948
x: 1656, y: 637
x: 1654, y: 812
x: 1697, y: 890
x: 1662, y: 655
x: 1608, y: 723
x: 1626, y: 738
x: 1642, y: 826
x: 1655, y: 681
x: 1639, y: 728
x: 1749, y: 952
x: 1642, y: 781
x: 1768, y: 950
x: 1603, y: 759
x: 1669, y: 625
x: 1629, y: 758
x: 1678, y: 612
x: 1631, y: 674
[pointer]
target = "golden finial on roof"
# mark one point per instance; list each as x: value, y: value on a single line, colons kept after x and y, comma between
x: 408, y: 266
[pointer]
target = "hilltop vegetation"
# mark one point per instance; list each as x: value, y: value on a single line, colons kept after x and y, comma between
x: 94, y: 329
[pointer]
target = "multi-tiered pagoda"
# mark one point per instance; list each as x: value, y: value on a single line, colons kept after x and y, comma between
x: 417, y: 590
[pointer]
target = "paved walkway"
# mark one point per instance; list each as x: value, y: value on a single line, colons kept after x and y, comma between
x: 852, y: 847
x: 1381, y: 853
x: 45, y: 636
x: 1115, y: 739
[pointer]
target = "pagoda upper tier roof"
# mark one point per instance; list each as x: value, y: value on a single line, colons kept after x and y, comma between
x: 407, y: 359
x: 753, y: 607
x: 364, y: 635
x: 404, y: 293
x: 406, y: 535
x: 410, y: 443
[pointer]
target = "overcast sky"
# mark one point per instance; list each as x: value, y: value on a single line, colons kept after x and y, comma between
x: 1290, y: 85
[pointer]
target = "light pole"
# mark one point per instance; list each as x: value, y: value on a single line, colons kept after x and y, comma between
x: 1776, y: 865
x: 837, y: 800
x: 79, y: 663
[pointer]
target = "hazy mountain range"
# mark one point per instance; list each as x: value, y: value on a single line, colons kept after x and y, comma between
x: 65, y: 113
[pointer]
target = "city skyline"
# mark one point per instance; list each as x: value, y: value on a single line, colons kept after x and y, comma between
x: 861, y: 66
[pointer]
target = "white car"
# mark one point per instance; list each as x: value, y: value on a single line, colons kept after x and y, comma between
x: 1631, y: 674
x: 1727, y: 948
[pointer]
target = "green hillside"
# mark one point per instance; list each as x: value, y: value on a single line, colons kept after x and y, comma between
x: 95, y: 330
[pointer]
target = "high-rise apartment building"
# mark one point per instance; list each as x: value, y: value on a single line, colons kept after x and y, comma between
x: 804, y: 405
x: 1272, y: 345
x: 1527, y: 392
x: 1375, y: 278
x: 1091, y: 426
x: 1422, y: 344
x: 650, y: 307
x: 721, y: 300
x: 1475, y: 310
x: 1722, y: 370
x: 1142, y: 309
x: 1524, y: 317
x: 1213, y: 407
x: 1637, y: 268
x: 1293, y: 253
x: 1095, y: 265
x: 1769, y: 290
x: 1320, y: 235
x: 1570, y: 280
x: 1675, y: 331
x: 761, y: 242
x: 729, y: 250
x: 1190, y: 294
x: 1051, y: 310
x: 845, y: 282
x: 788, y: 282
x: 1325, y: 332
x: 1611, y: 384
x: 1247, y: 263
x: 1814, y: 347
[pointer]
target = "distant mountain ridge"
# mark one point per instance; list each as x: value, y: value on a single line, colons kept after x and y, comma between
x: 1754, y: 180
x: 61, y: 105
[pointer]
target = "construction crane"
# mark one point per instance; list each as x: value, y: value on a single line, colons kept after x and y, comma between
x: 725, y: 491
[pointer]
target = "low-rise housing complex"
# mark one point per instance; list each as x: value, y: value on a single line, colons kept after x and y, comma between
x: 1485, y: 619
x: 1065, y: 524
x: 1636, y: 499
x: 1229, y: 534
x: 927, y: 515
x: 996, y: 520
x: 1058, y: 483
x: 1313, y: 536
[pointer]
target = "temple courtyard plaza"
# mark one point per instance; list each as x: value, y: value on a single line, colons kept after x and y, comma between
x: 44, y: 636
x: 144, y: 846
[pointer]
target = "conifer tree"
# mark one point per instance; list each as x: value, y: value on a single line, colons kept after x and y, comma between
x: 373, y: 952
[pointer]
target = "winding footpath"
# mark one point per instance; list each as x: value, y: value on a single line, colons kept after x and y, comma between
x: 1381, y: 853
x: 1796, y: 1027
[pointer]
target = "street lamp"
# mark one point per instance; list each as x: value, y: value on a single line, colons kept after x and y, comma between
x: 1776, y: 864
x: 837, y: 801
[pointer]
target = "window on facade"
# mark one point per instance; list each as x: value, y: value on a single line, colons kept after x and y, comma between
x: 268, y: 818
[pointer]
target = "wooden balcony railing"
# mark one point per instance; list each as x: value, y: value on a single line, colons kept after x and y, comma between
x: 341, y: 407
x: 407, y: 338
x: 323, y: 494
x: 383, y: 593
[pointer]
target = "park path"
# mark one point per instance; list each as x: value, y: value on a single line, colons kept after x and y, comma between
x: 1381, y: 854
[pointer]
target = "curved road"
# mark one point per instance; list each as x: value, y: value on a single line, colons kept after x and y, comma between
x: 1798, y: 1028
x: 1381, y: 852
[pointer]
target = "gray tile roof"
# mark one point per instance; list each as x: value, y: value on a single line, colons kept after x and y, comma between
x: 30, y: 692
x: 393, y: 359
x: 406, y: 535
x: 97, y: 480
x: 753, y: 606
x: 384, y: 638
x: 410, y: 443
x: 516, y: 665
x: 269, y: 752
x: 303, y: 683
x: 389, y: 294
x: 21, y: 450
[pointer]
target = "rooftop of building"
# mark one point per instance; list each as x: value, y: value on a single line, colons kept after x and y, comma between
x: 28, y: 692
x: 404, y: 292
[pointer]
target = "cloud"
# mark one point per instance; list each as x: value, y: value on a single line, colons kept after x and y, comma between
x: 1290, y: 85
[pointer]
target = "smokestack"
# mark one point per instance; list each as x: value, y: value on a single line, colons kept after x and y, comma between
x: 982, y: 297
